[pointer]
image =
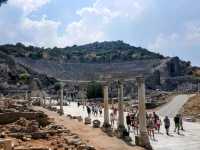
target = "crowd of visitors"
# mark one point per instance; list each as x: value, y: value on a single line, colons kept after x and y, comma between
x: 153, y: 123
x: 153, y: 120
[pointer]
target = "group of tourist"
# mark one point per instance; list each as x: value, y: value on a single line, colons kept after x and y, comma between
x: 153, y: 123
x: 95, y: 109
x: 178, y: 121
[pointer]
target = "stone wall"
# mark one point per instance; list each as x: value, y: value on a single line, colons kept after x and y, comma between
x: 11, y: 117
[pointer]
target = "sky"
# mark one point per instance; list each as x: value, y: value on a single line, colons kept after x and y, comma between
x: 169, y: 27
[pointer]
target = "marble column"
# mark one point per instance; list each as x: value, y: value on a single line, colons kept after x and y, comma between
x: 50, y: 101
x: 61, y: 99
x: 106, y: 107
x: 143, y: 137
x: 120, y: 107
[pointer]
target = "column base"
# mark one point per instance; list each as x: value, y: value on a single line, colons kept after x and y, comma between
x: 106, y: 125
x: 143, y: 141
x: 121, y: 131
x: 107, y: 129
x: 61, y: 112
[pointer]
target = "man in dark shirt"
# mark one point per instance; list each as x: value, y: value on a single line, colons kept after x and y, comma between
x: 128, y: 121
x: 177, y: 123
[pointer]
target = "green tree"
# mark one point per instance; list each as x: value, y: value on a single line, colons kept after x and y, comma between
x: 94, y: 90
x: 24, y: 77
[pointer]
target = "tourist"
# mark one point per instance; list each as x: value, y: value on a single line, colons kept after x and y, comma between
x: 100, y: 110
x: 115, y: 111
x: 136, y: 124
x: 93, y: 109
x: 177, y: 123
x: 78, y: 104
x: 151, y: 126
x: 96, y: 110
x: 112, y: 119
x: 181, y: 122
x: 132, y: 116
x: 167, y: 124
x: 128, y: 121
x: 158, y: 124
x: 155, y: 117
x: 88, y: 111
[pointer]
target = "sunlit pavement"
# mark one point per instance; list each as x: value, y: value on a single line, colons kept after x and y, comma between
x: 187, y: 140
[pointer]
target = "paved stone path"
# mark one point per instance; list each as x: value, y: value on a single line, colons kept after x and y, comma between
x: 188, y: 140
x: 173, y: 107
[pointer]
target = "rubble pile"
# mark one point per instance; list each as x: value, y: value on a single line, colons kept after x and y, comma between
x: 39, y: 133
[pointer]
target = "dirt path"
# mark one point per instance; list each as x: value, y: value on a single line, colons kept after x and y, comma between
x: 92, y: 136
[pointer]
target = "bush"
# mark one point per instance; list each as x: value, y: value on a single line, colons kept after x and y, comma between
x: 94, y: 90
x: 24, y: 77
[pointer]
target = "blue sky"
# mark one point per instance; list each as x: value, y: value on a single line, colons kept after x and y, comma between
x: 167, y: 27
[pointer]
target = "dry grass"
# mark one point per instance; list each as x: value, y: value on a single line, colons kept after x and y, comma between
x: 192, y: 107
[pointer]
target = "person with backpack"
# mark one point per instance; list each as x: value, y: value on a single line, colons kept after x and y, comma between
x: 167, y: 124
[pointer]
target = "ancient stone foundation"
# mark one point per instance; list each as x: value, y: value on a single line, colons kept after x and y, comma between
x: 10, y: 117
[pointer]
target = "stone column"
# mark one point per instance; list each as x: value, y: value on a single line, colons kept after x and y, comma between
x: 106, y: 107
x: 143, y: 137
x: 44, y: 101
x: 120, y: 107
x: 61, y: 99
x: 26, y: 95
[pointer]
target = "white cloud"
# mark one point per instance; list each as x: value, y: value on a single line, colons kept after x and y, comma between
x: 192, y: 34
x: 28, y: 6
x: 42, y: 32
x: 97, y: 17
x: 91, y: 26
x: 185, y: 39
x: 164, y: 44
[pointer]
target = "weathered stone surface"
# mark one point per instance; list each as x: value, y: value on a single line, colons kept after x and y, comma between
x: 6, y: 118
x: 31, y: 148
x: 39, y: 135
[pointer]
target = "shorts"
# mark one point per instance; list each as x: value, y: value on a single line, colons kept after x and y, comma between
x: 177, y: 125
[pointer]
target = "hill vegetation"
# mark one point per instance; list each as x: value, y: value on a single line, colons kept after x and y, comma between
x: 96, y: 52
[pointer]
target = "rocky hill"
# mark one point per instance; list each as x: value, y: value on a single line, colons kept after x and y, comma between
x: 98, y: 61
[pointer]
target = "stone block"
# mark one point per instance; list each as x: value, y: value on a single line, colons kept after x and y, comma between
x: 96, y: 124
x: 88, y: 120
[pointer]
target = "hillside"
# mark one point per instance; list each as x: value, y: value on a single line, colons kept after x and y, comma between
x: 101, y: 60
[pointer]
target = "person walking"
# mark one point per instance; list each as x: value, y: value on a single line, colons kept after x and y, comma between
x: 181, y: 122
x: 88, y: 111
x: 112, y: 119
x: 158, y: 124
x: 100, y: 111
x: 150, y: 127
x: 167, y: 124
x: 177, y: 123
x: 128, y: 121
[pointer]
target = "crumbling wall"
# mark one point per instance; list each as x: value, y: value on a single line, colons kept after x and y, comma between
x: 10, y: 117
